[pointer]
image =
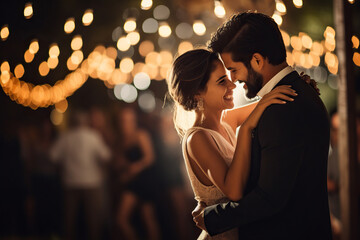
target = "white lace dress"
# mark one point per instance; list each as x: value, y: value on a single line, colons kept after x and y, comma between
x: 211, y: 194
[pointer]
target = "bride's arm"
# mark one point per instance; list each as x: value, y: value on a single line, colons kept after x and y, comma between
x: 205, y: 153
x: 235, y: 117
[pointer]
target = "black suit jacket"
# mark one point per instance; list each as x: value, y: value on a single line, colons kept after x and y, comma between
x: 286, y: 195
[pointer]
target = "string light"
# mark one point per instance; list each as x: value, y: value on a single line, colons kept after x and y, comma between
x: 19, y: 71
x: 69, y: 25
x: 355, y: 41
x: 54, y: 50
x: 88, y: 17
x: 130, y: 25
x: 28, y: 11
x: 219, y: 9
x: 199, y: 27
x: 280, y: 7
x: 278, y: 19
x: 4, y: 33
x: 298, y: 3
x: 164, y: 30
x: 76, y: 43
x: 146, y: 4
x: 34, y: 47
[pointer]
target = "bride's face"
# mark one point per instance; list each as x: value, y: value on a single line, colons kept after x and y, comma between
x: 218, y: 94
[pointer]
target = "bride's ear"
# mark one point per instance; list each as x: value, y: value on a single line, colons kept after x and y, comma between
x: 257, y: 62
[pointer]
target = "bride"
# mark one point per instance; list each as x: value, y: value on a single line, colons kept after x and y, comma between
x: 217, y: 161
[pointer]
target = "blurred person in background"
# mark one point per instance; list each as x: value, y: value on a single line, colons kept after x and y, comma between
x: 99, y: 121
x: 133, y: 162
x: 82, y: 154
x: 172, y: 173
x: 45, y: 184
x: 333, y: 176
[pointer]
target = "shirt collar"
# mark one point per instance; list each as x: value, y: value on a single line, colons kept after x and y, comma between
x: 274, y: 80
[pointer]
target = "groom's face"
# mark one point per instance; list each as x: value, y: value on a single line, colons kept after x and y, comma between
x: 252, y: 80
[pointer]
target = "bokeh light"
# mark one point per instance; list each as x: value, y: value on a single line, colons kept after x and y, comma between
x: 133, y: 37
x: 4, y: 33
x: 150, y: 25
x: 28, y: 56
x: 355, y: 41
x: 123, y: 44
x: 61, y: 106
x: 146, y: 47
x: 56, y: 117
x: 69, y: 25
x: 184, y: 31
x: 219, y: 9
x: 28, y: 10
x: 126, y: 65
x: 128, y: 93
x: 34, y: 46
x: 164, y: 30
x: 88, y: 17
x: 146, y: 4
x: 147, y: 101
x: 44, y: 69
x: 184, y: 47
x: 161, y: 12
x: 298, y: 3
x: 199, y: 27
x: 76, y: 43
x: 130, y: 25
x: 278, y: 19
x: 54, y: 50
x: 142, y: 81
x: 280, y: 7
x: 19, y: 71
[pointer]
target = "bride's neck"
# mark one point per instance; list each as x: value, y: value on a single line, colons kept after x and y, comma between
x: 208, y: 120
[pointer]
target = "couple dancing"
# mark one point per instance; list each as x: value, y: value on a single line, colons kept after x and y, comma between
x: 269, y: 182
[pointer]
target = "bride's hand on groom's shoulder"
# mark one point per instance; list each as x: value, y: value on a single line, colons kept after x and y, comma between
x: 279, y: 95
x: 310, y: 81
x: 198, y: 215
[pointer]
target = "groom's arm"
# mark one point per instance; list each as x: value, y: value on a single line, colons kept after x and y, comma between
x: 282, y: 145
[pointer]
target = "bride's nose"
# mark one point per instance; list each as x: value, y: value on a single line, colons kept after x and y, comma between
x: 231, y: 85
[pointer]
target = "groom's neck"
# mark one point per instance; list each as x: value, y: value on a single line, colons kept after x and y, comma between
x: 271, y: 70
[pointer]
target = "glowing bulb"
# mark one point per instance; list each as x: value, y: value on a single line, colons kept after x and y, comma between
x: 123, y: 44
x: 4, y: 32
x: 133, y: 37
x: 54, y: 50
x: 19, y: 71
x: 77, y: 57
x: 5, y: 67
x: 69, y: 25
x: 280, y: 7
x: 88, y: 17
x: 28, y: 56
x: 146, y: 47
x: 356, y: 59
x: 199, y: 27
x: 164, y: 30
x: 52, y: 62
x: 34, y: 46
x: 278, y: 19
x: 146, y: 4
x: 76, y: 43
x: 298, y: 3
x: 355, y: 41
x: 28, y: 11
x: 126, y: 65
x: 306, y: 41
x: 184, y: 47
x: 219, y: 9
x: 130, y: 25
x: 43, y: 69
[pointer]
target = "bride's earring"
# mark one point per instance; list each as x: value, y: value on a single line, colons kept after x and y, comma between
x: 200, y: 107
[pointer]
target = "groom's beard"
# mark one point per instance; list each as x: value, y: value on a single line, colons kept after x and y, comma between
x: 254, y: 82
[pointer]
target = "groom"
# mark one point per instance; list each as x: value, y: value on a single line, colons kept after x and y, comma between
x: 286, y: 193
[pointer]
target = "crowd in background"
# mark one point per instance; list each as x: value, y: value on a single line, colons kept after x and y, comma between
x: 108, y: 174
x: 104, y: 174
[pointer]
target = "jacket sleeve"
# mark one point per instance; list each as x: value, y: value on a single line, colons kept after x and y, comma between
x: 281, y: 135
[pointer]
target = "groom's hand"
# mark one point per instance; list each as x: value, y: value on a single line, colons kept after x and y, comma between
x: 198, y: 215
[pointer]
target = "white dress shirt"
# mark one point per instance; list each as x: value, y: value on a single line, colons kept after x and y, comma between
x: 81, y: 151
x: 274, y: 80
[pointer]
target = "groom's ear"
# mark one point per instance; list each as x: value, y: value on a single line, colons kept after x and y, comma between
x: 257, y: 62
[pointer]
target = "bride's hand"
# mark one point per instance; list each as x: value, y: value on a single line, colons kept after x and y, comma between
x: 279, y: 95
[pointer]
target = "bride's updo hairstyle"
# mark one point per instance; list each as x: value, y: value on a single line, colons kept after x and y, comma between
x: 189, y: 76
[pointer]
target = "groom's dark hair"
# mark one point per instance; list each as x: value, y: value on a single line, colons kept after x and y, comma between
x: 247, y: 33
